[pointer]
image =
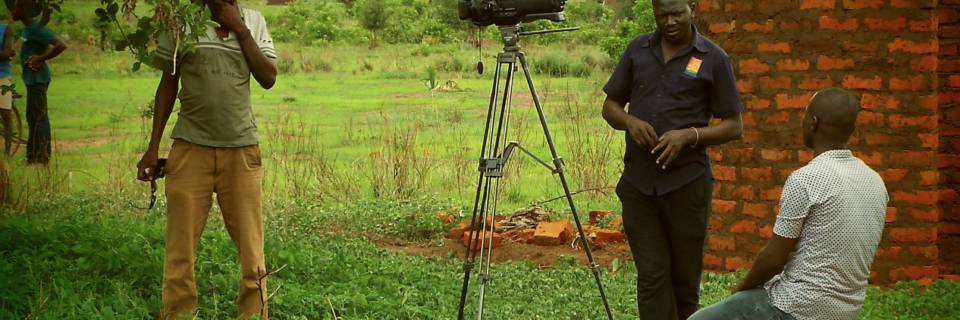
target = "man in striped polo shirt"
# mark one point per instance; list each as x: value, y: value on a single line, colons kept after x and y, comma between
x: 215, y: 150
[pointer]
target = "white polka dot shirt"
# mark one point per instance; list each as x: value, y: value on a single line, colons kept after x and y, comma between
x: 836, y: 206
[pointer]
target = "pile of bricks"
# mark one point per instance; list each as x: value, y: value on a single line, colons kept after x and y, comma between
x: 547, y: 233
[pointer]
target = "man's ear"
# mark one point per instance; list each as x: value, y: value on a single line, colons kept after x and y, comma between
x: 814, y: 124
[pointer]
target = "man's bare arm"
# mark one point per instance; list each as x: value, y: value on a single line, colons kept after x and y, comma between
x: 768, y: 263
x: 640, y: 131
x: 728, y: 129
x: 58, y: 46
x: 228, y: 16
x: 162, y: 108
x: 7, y: 52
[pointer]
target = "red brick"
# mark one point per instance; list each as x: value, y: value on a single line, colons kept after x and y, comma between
x: 850, y: 45
x: 745, y: 193
x: 603, y: 236
x: 805, y: 155
x: 737, y: 7
x: 891, y: 215
x: 872, y: 158
x: 925, y: 63
x: 766, y: 232
x: 753, y: 66
x: 924, y: 25
x: 753, y: 27
x: 928, y: 122
x: 723, y: 206
x: 758, y: 103
x: 596, y: 215
x: 948, y: 161
x: 735, y: 263
x: 751, y: 136
x: 948, y: 195
x: 553, y: 233
x: 948, y: 97
x: 914, y: 3
x: 860, y: 4
x: 891, y: 253
x: 950, y: 278
x: 870, y: 101
x: 913, y: 234
x: 954, y: 80
x: 743, y: 226
x: 826, y: 22
x: 898, y: 24
x: 915, y: 83
x: 915, y: 273
x: 707, y: 5
x: 779, y: 117
x: 946, y: 15
x: 893, y: 175
x: 486, y: 240
x: 852, y: 82
x: 948, y: 65
x: 950, y: 32
x: 720, y: 27
x: 715, y: 224
x: 745, y: 85
x: 724, y: 173
x: 792, y: 65
x: 716, y: 155
x: 758, y: 210
x: 928, y: 140
x: 866, y: 117
x: 771, y: 194
x: 781, y: 47
x: 748, y: 120
x: 930, y: 101
x: 928, y: 215
x: 882, y: 138
x: 711, y: 261
x: 916, y: 197
x: 815, y: 83
x: 786, y: 172
x: 817, y: 4
x: 756, y: 174
x: 912, y: 158
x: 910, y: 46
x: 785, y: 101
x: 722, y: 243
x: 740, y: 154
x: 775, y: 154
x: 947, y: 50
x: 779, y: 83
x: 948, y: 228
x: 929, y: 178
x: 930, y: 252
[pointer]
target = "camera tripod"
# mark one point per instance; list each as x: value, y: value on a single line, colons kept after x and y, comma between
x: 494, y: 154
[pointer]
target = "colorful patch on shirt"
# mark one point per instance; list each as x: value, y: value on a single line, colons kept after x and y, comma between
x: 693, y: 67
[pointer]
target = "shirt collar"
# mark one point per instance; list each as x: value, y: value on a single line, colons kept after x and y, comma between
x: 699, y: 42
x: 835, y: 154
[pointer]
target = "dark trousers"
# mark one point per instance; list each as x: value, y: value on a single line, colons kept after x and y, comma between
x: 666, y: 235
x: 38, y: 124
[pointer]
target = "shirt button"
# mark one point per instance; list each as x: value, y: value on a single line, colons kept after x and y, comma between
x: 663, y: 76
x: 658, y: 96
x: 654, y: 116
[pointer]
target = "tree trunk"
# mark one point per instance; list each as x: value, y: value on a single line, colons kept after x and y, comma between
x: 103, y: 40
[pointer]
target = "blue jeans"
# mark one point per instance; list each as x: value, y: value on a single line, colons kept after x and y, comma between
x: 38, y: 124
x: 753, y: 304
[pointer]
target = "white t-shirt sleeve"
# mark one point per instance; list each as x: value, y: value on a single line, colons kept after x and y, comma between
x: 795, y: 205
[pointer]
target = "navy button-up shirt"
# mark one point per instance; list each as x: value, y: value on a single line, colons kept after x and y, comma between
x: 694, y: 85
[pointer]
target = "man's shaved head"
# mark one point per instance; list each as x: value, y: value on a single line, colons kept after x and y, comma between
x: 831, y: 116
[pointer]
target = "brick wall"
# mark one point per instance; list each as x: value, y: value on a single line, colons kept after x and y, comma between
x: 885, y: 52
x: 949, y: 157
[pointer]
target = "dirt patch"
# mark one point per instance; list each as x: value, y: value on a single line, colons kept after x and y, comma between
x: 63, y: 144
x: 542, y: 256
x: 408, y: 95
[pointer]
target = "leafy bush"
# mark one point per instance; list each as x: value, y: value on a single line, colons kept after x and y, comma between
x: 627, y: 29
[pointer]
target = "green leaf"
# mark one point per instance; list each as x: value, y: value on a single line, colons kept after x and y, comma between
x: 136, y: 66
x: 120, y: 45
x: 44, y: 18
x: 10, y: 4
x: 113, y: 9
x: 55, y: 6
x: 100, y: 12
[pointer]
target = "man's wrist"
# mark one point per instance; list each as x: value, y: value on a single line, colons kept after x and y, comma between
x: 243, y: 33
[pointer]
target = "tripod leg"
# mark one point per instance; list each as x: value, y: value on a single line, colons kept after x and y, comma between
x: 558, y: 163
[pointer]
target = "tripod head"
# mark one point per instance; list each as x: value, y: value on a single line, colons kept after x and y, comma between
x: 510, y: 34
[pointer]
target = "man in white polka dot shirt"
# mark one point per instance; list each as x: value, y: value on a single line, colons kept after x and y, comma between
x: 830, y: 222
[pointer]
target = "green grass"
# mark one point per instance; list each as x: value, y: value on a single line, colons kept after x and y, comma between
x: 91, y: 258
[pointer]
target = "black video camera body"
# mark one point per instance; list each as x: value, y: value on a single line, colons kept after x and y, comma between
x: 510, y: 12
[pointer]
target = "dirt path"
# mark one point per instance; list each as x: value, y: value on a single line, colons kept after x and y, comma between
x: 542, y: 256
x: 63, y: 144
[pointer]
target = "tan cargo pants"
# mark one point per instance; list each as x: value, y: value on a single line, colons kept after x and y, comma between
x: 194, y: 173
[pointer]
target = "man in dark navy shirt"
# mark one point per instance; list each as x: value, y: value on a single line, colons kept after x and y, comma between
x: 673, y: 80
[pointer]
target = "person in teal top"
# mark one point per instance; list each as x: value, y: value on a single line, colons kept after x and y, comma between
x: 38, y: 46
x: 6, y: 98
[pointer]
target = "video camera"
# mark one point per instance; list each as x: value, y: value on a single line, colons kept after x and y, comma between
x: 510, y: 12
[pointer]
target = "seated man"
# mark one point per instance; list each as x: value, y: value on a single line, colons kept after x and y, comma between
x: 831, y: 218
